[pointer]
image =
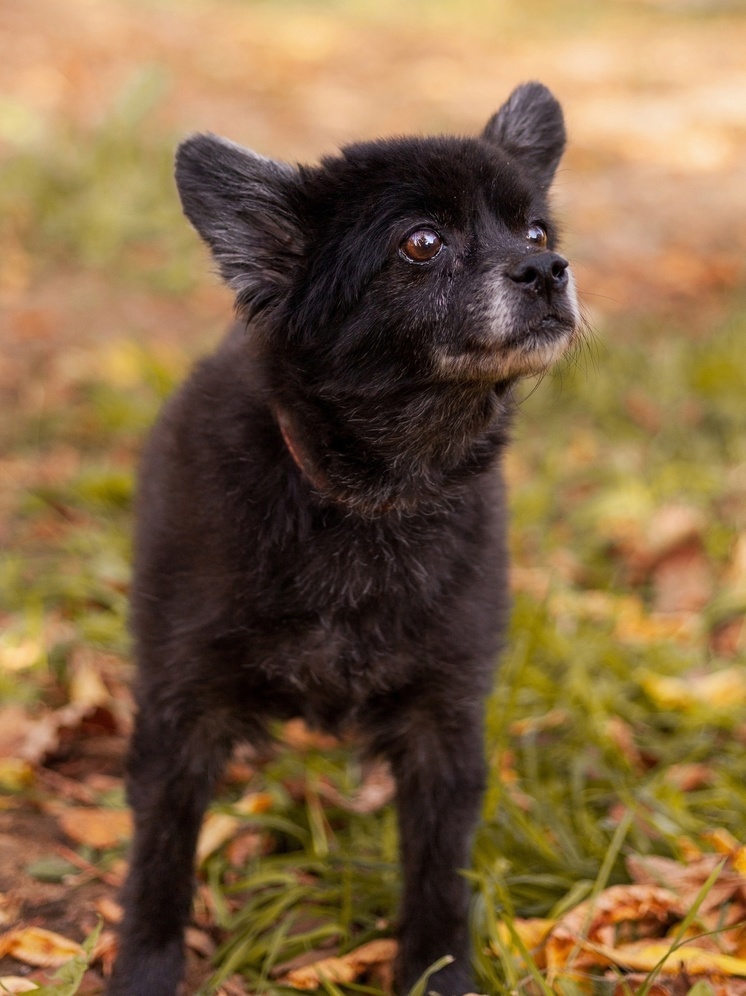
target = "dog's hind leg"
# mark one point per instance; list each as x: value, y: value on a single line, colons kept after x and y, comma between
x: 174, y: 761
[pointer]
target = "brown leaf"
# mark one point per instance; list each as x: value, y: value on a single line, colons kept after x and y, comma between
x: 376, y: 791
x: 36, y: 946
x: 342, y: 969
x: 10, y: 909
x: 683, y: 580
x: 96, y: 826
x: 110, y: 910
x: 300, y: 737
x: 685, y: 880
x: 220, y: 827
x: 583, y: 927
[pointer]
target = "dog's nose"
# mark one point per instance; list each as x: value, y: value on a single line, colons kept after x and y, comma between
x: 544, y: 273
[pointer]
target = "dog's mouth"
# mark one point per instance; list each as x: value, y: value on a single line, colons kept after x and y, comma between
x: 529, y: 348
x: 522, y: 335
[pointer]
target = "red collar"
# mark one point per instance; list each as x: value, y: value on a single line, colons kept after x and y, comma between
x: 303, y: 461
x: 316, y: 477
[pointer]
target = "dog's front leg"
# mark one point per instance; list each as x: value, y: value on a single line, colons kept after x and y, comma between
x: 172, y: 768
x: 438, y: 763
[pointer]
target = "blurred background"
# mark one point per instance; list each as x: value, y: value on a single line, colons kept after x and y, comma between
x: 628, y: 474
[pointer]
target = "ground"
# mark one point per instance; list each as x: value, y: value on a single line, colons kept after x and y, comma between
x: 623, y: 688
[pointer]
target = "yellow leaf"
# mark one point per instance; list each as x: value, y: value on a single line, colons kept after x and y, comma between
x: 15, y: 774
x: 220, y: 827
x: 644, y: 957
x: 216, y: 830
x: 86, y: 685
x: 345, y: 968
x: 21, y: 656
x: 721, y: 689
x: 253, y: 802
x: 532, y: 933
x: 723, y: 841
x: 95, y: 826
x: 39, y: 947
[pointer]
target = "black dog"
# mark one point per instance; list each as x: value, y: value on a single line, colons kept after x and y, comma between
x: 321, y: 519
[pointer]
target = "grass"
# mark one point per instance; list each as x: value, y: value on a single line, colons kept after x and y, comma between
x: 654, y: 416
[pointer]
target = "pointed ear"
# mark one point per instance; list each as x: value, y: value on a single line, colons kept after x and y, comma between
x: 241, y: 204
x: 531, y: 129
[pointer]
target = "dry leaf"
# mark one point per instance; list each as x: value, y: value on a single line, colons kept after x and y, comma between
x: 683, y: 580
x: 532, y: 933
x: 110, y: 910
x: 199, y: 941
x: 538, y: 724
x: 685, y: 880
x: 297, y: 735
x: 376, y: 791
x: 342, y: 969
x: 105, y: 950
x: 95, y: 826
x: 217, y: 828
x: 16, y: 984
x: 10, y: 909
x: 39, y: 947
x: 220, y: 827
x: 643, y: 956
x: 87, y: 688
x: 586, y: 924
x: 15, y: 774
x: 718, y: 690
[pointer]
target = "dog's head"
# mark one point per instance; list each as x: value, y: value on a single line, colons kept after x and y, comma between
x: 401, y: 260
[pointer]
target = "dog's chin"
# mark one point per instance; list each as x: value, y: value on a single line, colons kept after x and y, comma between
x: 523, y: 353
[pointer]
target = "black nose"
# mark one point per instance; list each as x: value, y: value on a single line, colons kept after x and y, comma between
x: 543, y: 273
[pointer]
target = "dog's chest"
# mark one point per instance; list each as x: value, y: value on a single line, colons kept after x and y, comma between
x: 340, y: 616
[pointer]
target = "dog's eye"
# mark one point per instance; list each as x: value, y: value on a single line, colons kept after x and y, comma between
x: 537, y: 235
x: 422, y: 245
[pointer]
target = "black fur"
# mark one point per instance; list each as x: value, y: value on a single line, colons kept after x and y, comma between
x: 321, y: 520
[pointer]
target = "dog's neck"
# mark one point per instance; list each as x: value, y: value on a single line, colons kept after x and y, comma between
x: 394, y: 470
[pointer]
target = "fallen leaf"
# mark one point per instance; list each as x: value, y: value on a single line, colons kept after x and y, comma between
x: 538, y: 724
x: 110, y: 910
x: 199, y: 941
x: 87, y: 688
x: 15, y: 774
x: 719, y: 689
x: 16, y: 984
x: 218, y: 828
x: 644, y: 956
x: 105, y: 950
x: 247, y: 845
x: 583, y: 926
x: 39, y: 947
x: 685, y: 880
x: 376, y: 791
x: 683, y: 580
x: 342, y: 969
x: 10, y: 909
x: 96, y: 826
x: 300, y: 737
x: 532, y: 933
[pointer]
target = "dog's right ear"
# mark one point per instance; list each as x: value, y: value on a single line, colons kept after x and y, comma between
x: 241, y: 204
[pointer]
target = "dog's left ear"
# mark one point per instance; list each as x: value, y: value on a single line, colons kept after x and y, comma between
x: 531, y: 129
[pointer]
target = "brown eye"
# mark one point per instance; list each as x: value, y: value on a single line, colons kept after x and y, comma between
x: 537, y: 235
x: 422, y: 245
